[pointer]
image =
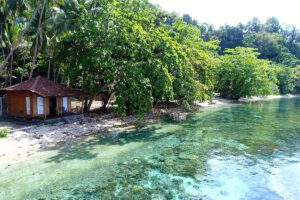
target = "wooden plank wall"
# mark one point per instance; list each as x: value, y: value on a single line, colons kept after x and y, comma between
x: 69, y: 105
x: 16, y: 102
x: 46, y: 107
x: 33, y: 104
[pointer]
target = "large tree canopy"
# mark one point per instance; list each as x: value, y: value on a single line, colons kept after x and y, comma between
x: 142, y: 63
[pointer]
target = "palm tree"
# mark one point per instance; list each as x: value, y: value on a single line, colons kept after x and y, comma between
x: 45, y: 34
x: 13, y: 10
x: 37, y: 38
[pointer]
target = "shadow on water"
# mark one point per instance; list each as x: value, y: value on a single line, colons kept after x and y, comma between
x: 68, y: 151
x: 82, y: 149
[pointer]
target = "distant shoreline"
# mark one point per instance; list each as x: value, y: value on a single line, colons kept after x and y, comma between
x: 266, y: 98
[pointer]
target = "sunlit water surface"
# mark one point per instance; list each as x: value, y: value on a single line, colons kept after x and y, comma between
x: 229, y: 152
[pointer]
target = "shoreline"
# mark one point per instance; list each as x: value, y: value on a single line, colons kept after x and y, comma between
x: 266, y: 98
x: 21, y: 144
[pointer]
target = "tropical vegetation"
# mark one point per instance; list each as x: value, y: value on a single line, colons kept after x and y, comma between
x: 143, y: 55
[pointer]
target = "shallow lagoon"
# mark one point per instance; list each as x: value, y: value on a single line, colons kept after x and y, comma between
x: 249, y: 151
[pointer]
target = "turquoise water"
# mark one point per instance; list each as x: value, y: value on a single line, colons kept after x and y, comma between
x: 249, y: 151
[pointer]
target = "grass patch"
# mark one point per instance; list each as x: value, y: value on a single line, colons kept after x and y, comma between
x: 3, y: 133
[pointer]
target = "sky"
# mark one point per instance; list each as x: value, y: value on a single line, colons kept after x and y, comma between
x: 220, y: 12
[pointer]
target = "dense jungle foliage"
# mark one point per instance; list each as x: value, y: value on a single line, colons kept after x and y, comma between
x: 142, y: 54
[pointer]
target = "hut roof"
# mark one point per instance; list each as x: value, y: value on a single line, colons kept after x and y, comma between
x: 44, y: 87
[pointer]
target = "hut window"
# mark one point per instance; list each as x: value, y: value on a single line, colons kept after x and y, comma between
x: 65, y: 104
x: 40, y: 105
x: 28, y: 111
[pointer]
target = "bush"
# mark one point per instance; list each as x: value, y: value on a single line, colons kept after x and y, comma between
x: 3, y: 133
x: 286, y: 80
x: 242, y: 74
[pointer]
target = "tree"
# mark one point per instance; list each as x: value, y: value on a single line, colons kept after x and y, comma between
x: 272, y: 25
x: 40, y: 37
x: 200, y: 56
x: 242, y: 74
x: 268, y: 44
x: 189, y: 20
x: 254, y: 26
x: 37, y: 38
x: 289, y: 79
x: 11, y: 29
x: 230, y: 36
x: 17, y: 43
x: 127, y: 54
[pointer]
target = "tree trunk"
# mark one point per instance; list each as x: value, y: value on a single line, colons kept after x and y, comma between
x: 105, y: 100
x: 49, y: 67
x: 12, y: 49
x: 11, y: 66
x: 54, y: 72
x: 56, y: 76
x: 22, y: 74
x: 88, y: 103
x: 38, y: 32
x: 16, y: 44
x: 1, y: 35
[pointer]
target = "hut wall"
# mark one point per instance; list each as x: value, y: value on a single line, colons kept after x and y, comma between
x: 59, y: 104
x: 69, y: 105
x: 34, y: 104
x: 16, y: 103
x: 46, y: 107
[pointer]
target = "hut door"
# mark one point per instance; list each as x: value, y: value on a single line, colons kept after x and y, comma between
x: 1, y: 109
x: 53, y: 106
x: 40, y: 105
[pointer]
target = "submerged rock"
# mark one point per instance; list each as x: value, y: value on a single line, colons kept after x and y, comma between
x: 137, y: 188
x: 178, y: 116
x: 122, y: 141
x: 183, y: 156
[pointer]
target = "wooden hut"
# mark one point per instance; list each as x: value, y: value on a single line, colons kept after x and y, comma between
x: 39, y: 98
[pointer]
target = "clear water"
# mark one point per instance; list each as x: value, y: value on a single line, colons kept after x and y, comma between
x: 231, y: 152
